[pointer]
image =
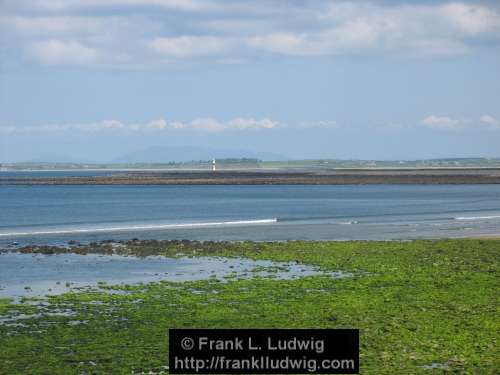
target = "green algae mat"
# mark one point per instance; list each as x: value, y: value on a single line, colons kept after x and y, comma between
x: 422, y: 307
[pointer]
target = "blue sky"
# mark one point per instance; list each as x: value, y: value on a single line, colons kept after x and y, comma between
x: 92, y: 80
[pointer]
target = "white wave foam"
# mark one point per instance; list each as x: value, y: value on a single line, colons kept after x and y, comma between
x: 477, y: 217
x: 143, y: 227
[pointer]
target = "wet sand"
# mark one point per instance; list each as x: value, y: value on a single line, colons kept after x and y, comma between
x: 277, y: 177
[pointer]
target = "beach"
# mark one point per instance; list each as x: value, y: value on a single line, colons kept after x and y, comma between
x: 421, y: 306
x: 92, y: 276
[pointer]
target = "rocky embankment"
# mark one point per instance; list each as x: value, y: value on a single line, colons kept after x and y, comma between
x: 334, y: 177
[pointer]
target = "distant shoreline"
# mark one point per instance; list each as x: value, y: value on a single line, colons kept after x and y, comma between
x: 428, y: 176
x: 259, y: 169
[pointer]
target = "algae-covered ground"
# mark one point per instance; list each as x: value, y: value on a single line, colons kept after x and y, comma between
x: 428, y: 307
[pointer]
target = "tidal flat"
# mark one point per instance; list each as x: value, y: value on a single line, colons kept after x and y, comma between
x: 422, y: 307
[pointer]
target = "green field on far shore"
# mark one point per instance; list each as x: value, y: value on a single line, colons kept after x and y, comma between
x: 422, y: 307
x: 252, y: 163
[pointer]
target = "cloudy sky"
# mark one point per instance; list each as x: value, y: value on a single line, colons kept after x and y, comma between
x: 92, y: 80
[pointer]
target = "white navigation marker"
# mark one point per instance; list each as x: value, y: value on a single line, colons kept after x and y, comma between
x: 213, y: 165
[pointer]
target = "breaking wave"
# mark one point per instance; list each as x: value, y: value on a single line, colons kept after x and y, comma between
x: 477, y: 217
x: 349, y: 222
x: 143, y: 227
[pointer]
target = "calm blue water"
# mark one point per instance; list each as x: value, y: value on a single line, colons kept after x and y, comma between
x: 56, y: 214
x: 56, y: 274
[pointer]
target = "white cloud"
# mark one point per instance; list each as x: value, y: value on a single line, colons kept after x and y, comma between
x: 472, y: 19
x: 244, y: 30
x: 239, y: 123
x: 447, y: 123
x: 105, y: 125
x: 354, y: 37
x: 490, y: 121
x: 55, y: 51
x: 201, y: 124
x: 365, y: 28
x: 286, y: 43
x: 68, y: 5
x: 236, y: 26
x: 443, y: 122
x: 106, y: 27
x: 54, y: 25
x: 188, y: 46
x: 208, y: 125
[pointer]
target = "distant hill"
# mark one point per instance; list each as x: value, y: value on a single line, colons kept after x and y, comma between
x: 165, y: 154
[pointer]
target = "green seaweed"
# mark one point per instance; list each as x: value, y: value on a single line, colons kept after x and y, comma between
x: 416, y: 303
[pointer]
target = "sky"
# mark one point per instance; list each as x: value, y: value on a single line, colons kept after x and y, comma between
x: 93, y: 80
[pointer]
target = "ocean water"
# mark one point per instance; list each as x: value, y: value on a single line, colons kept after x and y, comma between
x: 57, y: 214
x: 38, y: 274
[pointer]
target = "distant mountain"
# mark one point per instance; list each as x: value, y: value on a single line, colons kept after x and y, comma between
x: 165, y: 154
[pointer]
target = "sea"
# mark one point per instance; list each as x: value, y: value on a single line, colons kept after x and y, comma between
x: 56, y: 214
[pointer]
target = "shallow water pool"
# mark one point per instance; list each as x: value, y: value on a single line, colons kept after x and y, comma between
x: 38, y: 274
